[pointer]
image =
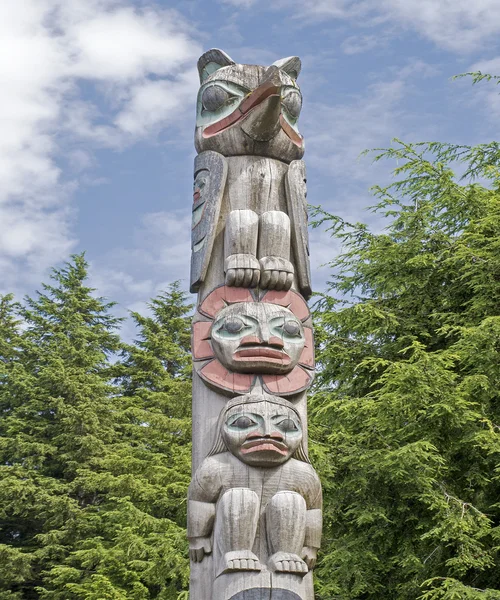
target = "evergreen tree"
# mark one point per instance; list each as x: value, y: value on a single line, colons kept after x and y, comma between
x: 407, y: 411
x: 135, y: 547
x: 56, y: 421
x: 152, y: 460
x: 15, y: 564
x: 94, y: 474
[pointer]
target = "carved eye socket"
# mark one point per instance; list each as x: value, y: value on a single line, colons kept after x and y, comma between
x: 243, y: 423
x: 233, y: 325
x: 287, y: 425
x: 214, y: 98
x: 293, y: 103
x: 291, y: 328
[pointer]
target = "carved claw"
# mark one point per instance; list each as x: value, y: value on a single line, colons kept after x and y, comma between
x: 242, y: 270
x: 286, y: 562
x: 277, y: 273
x: 198, y: 547
x: 310, y: 556
x: 241, y: 560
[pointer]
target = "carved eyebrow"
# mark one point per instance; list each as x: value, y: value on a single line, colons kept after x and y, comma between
x: 236, y: 416
x: 284, y: 416
x: 225, y: 84
x: 245, y: 318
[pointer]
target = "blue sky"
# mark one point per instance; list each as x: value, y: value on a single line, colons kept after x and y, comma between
x: 98, y: 102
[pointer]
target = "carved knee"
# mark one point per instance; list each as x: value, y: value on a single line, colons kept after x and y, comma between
x: 236, y: 524
x: 274, y: 250
x: 239, y: 498
x: 240, y: 249
x: 237, y: 517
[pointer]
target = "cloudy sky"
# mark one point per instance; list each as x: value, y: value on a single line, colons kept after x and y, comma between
x: 97, y: 116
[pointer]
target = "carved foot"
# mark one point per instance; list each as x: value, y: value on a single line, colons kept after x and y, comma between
x: 242, y: 270
x: 277, y: 273
x: 285, y: 562
x: 241, y: 560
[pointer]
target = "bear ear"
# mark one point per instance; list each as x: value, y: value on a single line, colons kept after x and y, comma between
x: 290, y: 65
x: 212, y: 61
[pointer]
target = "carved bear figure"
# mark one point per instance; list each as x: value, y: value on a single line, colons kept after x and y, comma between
x: 255, y: 501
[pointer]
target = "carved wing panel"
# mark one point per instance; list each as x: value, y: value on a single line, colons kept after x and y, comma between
x: 210, y: 172
x: 297, y: 210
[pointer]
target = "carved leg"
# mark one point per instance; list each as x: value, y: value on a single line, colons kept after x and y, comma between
x: 274, y: 251
x: 235, y: 528
x: 240, y: 249
x: 286, y: 528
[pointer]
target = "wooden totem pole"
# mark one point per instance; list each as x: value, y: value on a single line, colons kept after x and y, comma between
x: 254, y: 509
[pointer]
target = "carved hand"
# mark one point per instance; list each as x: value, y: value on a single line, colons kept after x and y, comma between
x: 309, y: 555
x: 198, y: 547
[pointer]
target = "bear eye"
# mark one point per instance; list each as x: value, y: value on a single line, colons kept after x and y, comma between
x: 291, y: 328
x: 293, y: 103
x: 287, y: 425
x: 243, y: 423
x: 214, y: 97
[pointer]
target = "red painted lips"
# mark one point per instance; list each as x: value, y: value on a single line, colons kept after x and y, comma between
x: 264, y: 444
x: 262, y: 353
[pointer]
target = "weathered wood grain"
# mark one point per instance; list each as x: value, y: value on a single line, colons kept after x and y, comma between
x: 254, y: 509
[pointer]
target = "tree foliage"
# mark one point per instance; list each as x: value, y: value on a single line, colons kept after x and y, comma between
x: 406, y: 415
x: 94, y: 464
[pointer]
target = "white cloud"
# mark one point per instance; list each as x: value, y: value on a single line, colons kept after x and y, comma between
x: 458, y: 25
x: 51, y: 52
x: 154, y: 104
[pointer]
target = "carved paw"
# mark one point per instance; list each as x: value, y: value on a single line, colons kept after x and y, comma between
x: 277, y: 273
x: 310, y: 556
x: 285, y: 562
x: 242, y: 270
x: 199, y: 547
x: 241, y: 560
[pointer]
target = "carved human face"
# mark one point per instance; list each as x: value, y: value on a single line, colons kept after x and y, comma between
x: 262, y: 434
x: 257, y: 337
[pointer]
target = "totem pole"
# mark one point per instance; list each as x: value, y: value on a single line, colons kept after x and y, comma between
x: 254, y: 506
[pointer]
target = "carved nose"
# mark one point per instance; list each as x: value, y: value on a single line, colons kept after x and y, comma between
x: 267, y: 432
x: 264, y: 333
